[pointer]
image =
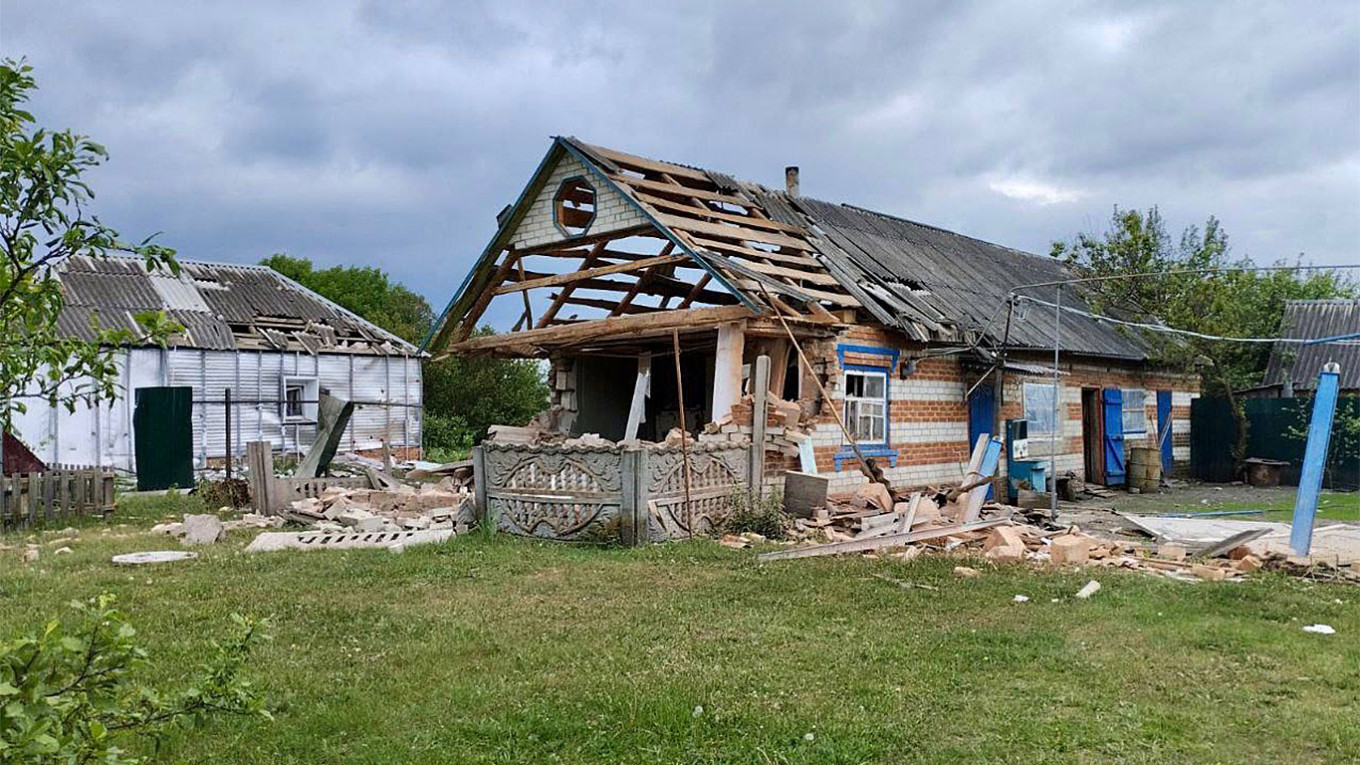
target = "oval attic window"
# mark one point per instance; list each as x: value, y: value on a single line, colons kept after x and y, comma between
x: 574, y: 206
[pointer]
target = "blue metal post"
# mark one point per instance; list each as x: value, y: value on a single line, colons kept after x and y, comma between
x: 1314, y: 459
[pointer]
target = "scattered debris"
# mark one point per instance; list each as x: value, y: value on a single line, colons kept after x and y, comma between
x: 1320, y: 629
x: 31, y: 554
x: 1020, y: 599
x: 205, y: 529
x: 965, y: 572
x: 1091, y: 588
x: 62, y: 551
x: 157, y: 556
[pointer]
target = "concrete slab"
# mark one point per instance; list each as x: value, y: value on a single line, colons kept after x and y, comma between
x: 271, y: 541
x: 154, y: 556
x: 1199, y: 531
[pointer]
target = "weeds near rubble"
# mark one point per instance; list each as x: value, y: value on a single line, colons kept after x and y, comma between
x: 761, y: 515
x: 228, y: 492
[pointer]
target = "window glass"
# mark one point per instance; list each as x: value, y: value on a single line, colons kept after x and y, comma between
x: 866, y: 405
x: 1135, y: 411
x: 1039, y: 408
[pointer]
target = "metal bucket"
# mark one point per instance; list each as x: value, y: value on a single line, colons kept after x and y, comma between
x: 1145, y: 469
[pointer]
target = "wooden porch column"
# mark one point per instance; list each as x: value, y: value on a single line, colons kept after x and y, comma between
x: 727, y: 369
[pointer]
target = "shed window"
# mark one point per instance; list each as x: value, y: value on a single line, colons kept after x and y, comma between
x: 1039, y: 408
x: 1135, y: 412
x: 866, y: 405
x: 300, y: 395
x: 574, y: 206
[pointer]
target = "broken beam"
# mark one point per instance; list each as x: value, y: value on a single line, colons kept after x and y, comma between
x: 618, y: 325
x: 878, y: 543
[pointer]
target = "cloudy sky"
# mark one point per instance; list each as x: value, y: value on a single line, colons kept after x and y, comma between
x: 391, y: 132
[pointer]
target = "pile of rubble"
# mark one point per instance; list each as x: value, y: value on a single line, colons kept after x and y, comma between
x: 447, y: 504
x: 873, y: 524
x: 786, y: 426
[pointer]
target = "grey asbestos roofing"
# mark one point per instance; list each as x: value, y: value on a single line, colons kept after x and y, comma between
x: 214, y: 302
x: 1313, y: 320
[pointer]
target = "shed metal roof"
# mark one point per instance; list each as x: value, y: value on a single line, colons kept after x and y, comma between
x: 1314, y: 320
x: 221, y: 306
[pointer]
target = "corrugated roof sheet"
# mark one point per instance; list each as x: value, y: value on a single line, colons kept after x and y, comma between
x: 1313, y: 320
x: 208, y: 299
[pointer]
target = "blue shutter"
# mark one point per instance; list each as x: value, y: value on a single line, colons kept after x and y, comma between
x: 1114, y: 437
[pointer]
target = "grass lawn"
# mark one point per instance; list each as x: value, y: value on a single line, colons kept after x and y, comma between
x: 1277, y: 502
x: 501, y: 650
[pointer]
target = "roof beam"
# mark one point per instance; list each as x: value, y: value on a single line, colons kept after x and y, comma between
x: 590, y: 273
x: 601, y: 328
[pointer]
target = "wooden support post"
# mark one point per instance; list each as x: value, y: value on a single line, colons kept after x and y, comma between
x: 260, y: 462
x: 684, y: 431
x: 727, y: 369
x: 642, y: 388
x: 760, y: 395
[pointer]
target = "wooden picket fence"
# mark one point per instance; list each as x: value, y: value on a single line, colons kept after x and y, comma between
x: 55, y: 495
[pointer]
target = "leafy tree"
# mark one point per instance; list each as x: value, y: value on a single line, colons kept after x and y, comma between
x: 71, y: 695
x: 1241, y: 303
x: 44, y: 221
x: 463, y: 396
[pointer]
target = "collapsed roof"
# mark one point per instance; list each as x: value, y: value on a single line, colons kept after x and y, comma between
x: 773, y: 253
x: 221, y: 307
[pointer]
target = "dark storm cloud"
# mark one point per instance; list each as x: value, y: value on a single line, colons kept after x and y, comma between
x: 391, y: 132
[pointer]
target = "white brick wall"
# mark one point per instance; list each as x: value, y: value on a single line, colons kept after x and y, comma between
x: 612, y: 211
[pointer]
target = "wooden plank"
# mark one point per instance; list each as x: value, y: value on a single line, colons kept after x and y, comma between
x: 643, y: 164
x: 33, y: 497
x: 607, y: 305
x: 705, y: 212
x: 590, y: 273
x: 807, y: 292
x: 642, y: 281
x: 469, y: 320
x: 556, y: 305
x: 742, y: 233
x: 793, y: 259
x: 618, y: 325
x: 589, y: 239
x: 820, y: 277
x: 878, y: 543
x: 683, y: 191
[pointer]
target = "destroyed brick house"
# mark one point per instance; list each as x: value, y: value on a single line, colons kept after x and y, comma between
x: 611, y: 260
x: 254, y: 343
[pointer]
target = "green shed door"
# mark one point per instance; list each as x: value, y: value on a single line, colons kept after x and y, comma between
x: 164, y: 437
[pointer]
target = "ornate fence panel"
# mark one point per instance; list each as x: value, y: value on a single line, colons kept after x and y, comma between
x: 607, y: 492
x: 715, y: 472
x: 552, y: 492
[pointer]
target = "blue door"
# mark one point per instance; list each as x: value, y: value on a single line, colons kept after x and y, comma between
x: 1164, y: 428
x: 1114, y: 437
x: 981, y: 411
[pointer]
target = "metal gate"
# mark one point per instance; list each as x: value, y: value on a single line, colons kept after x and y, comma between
x: 162, y: 424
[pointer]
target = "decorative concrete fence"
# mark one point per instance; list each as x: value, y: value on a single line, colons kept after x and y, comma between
x: 604, y: 493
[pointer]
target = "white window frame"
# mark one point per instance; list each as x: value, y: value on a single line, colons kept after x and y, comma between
x: 1034, y: 430
x: 854, y: 408
x: 311, y: 393
x: 1140, y: 410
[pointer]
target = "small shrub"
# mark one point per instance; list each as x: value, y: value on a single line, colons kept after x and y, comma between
x: 71, y: 696
x: 762, y: 515
x: 234, y: 493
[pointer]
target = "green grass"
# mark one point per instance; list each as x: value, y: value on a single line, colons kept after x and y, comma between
x: 1332, y: 506
x: 498, y: 650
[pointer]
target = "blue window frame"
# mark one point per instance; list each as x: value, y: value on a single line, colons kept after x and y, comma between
x: 866, y: 407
